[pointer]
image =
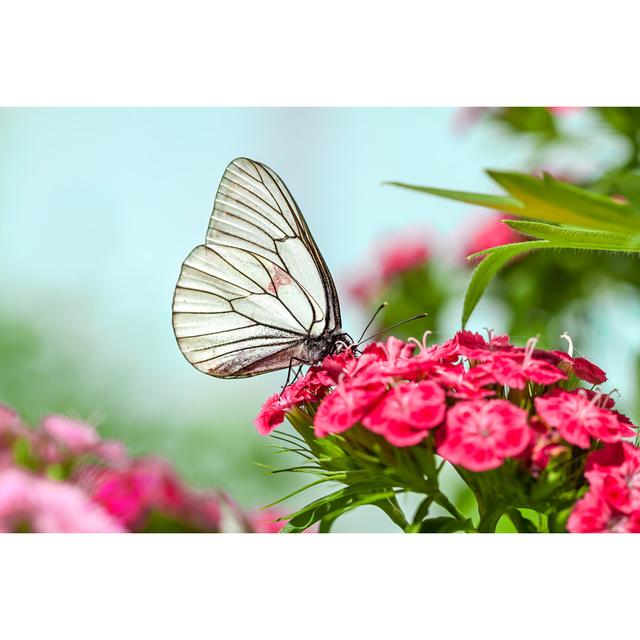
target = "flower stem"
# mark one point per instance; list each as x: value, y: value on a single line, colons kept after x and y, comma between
x: 445, y: 503
x: 391, y: 507
x: 489, y: 521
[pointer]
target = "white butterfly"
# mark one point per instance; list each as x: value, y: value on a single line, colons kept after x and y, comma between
x: 257, y: 296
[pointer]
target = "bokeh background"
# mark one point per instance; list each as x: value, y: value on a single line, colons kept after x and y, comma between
x: 99, y: 207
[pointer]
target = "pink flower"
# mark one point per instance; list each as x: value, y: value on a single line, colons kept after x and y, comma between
x: 147, y: 485
x: 47, y: 506
x: 546, y: 444
x: 565, y: 111
x: 493, y: 233
x: 592, y: 514
x: 475, y: 347
x: 407, y: 412
x: 9, y: 421
x: 266, y: 521
x: 614, y: 473
x: 516, y: 370
x: 74, y: 435
x: 398, y: 254
x: 364, y: 288
x: 586, y: 370
x: 578, y: 419
x: 346, y: 406
x: 402, y: 253
x: 271, y: 414
x: 308, y: 388
x: 480, y: 434
x: 465, y: 117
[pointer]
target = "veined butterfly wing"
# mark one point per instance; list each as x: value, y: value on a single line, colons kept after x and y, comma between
x: 258, y: 295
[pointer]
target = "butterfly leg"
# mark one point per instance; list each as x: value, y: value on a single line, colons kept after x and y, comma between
x: 291, y: 361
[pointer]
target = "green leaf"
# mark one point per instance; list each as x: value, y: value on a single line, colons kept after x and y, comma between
x: 554, y: 201
x: 548, y: 200
x: 628, y: 186
x: 598, y: 239
x: 487, y: 269
x: 501, y: 203
x: 335, y: 504
x: 497, y: 257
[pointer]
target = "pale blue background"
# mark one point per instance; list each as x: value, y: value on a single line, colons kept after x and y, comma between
x: 100, y: 206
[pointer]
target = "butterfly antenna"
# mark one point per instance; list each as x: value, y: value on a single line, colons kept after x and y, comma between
x: 375, y: 315
x: 393, y: 326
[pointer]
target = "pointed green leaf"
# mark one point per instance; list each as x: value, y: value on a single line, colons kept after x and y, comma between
x: 493, y: 261
x: 501, y: 203
x: 497, y: 257
x: 597, y: 239
x: 554, y: 201
x: 337, y: 503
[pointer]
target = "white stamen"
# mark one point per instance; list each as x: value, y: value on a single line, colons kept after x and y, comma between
x: 529, y: 349
x: 567, y: 337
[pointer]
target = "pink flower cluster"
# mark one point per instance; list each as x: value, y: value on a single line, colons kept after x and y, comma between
x: 398, y: 254
x: 482, y: 400
x: 612, y: 504
x: 62, y: 477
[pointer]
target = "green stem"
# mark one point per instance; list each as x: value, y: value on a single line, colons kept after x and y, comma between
x: 423, y: 509
x: 391, y: 507
x: 489, y: 521
x: 518, y: 521
x: 445, y: 503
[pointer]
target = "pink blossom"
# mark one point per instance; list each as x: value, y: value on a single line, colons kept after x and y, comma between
x: 614, y: 472
x: 480, y: 434
x: 475, y: 347
x: 364, y: 287
x: 516, y: 370
x: 271, y: 414
x: 148, y: 484
x: 578, y: 419
x: 402, y: 253
x: 493, y: 233
x: 592, y: 514
x: 266, y: 521
x: 9, y: 421
x: 306, y: 389
x: 407, y: 412
x: 398, y: 254
x: 346, y: 406
x: 74, y: 435
x: 565, y: 111
x: 546, y: 444
x: 586, y: 370
x: 47, y: 506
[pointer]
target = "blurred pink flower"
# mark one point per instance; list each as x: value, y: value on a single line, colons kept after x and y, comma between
x: 265, y: 520
x: 389, y: 259
x: 47, y: 506
x: 465, y: 117
x: 402, y: 252
x: 565, y: 111
x: 74, y: 435
x: 493, y: 233
x: 145, y: 485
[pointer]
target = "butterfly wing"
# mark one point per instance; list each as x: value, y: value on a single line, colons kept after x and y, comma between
x: 249, y: 300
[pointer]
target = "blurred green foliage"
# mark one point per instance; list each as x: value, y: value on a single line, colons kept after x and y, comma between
x: 39, y: 376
